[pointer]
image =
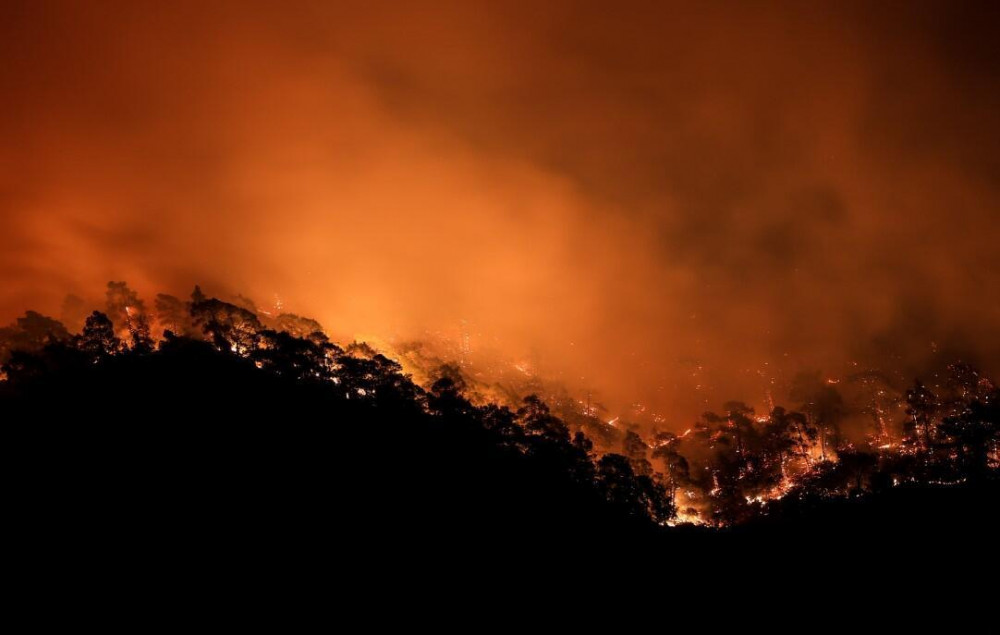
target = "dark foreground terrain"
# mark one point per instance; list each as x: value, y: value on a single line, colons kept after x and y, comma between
x: 188, y: 457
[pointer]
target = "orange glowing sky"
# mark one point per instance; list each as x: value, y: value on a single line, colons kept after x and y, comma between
x: 626, y: 191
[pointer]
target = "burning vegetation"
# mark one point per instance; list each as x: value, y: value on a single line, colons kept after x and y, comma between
x: 847, y: 437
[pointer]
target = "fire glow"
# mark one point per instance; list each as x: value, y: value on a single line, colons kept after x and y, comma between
x: 634, y: 214
x: 630, y: 198
x: 725, y: 469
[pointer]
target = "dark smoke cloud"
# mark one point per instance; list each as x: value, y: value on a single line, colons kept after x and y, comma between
x: 658, y: 196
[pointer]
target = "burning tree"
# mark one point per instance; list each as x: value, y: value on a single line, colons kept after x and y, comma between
x: 822, y: 403
x: 228, y: 326
x: 878, y: 401
x: 128, y: 314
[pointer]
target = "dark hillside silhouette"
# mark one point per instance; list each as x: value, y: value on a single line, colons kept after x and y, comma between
x: 250, y: 431
x: 263, y: 444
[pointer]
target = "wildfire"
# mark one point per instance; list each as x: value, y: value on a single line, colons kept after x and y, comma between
x: 736, y: 462
x: 689, y: 516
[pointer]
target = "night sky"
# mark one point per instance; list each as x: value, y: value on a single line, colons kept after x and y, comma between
x: 676, y: 202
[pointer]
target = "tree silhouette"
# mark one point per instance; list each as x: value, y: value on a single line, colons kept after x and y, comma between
x: 228, y: 326
x: 446, y: 393
x: 859, y: 466
x: 31, y: 333
x: 298, y: 326
x: 635, y: 449
x: 98, y: 338
x: 538, y: 420
x: 637, y: 496
x: 197, y: 297
x: 975, y: 433
x: 667, y: 449
x: 294, y: 357
x: 823, y: 405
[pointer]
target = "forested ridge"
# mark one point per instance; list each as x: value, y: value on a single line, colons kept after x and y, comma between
x: 207, y: 422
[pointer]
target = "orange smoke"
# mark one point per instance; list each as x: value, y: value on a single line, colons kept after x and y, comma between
x: 671, y: 205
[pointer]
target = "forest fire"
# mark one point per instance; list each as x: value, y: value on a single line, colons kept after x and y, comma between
x: 443, y: 271
x: 389, y: 188
x: 725, y: 469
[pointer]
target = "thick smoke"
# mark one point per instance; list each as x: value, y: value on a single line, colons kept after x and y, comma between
x: 673, y: 204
